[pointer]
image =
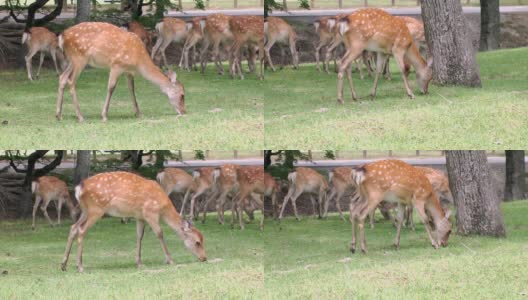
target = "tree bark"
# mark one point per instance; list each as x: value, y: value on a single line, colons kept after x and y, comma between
x: 476, y: 203
x: 83, y: 11
x: 489, y: 25
x: 515, y: 185
x: 449, y: 43
x: 82, y: 166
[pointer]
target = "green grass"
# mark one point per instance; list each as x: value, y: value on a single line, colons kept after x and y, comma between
x: 306, y: 259
x: 32, y: 260
x: 222, y: 113
x: 310, y: 259
x: 301, y: 110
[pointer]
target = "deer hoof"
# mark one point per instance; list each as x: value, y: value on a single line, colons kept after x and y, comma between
x: 63, y: 267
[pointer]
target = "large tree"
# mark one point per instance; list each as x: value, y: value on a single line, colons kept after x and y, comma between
x: 83, y: 11
x: 489, y: 25
x: 82, y: 166
x: 446, y: 32
x: 476, y: 202
x: 515, y: 185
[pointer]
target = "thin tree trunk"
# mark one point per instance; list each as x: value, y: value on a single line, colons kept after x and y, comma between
x: 489, y: 25
x: 82, y: 166
x: 515, y: 185
x: 449, y: 43
x: 476, y: 202
x: 83, y: 11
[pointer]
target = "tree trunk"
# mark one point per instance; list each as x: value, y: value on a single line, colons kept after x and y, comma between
x: 515, y: 175
x: 449, y: 43
x: 82, y: 166
x: 476, y: 203
x: 83, y: 11
x: 489, y: 25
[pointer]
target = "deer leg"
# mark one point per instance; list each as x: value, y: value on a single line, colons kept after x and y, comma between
x: 156, y: 228
x: 156, y: 47
x: 328, y: 199
x: 82, y: 229
x: 409, y: 217
x: 293, y: 50
x: 372, y: 213
x: 63, y: 80
x: 74, y: 229
x: 203, y: 55
x: 386, y: 69
x: 54, y: 57
x: 328, y: 53
x: 40, y: 63
x: 205, y: 206
x: 349, y: 57
x: 216, y: 58
x: 164, y: 46
x: 240, y: 203
x: 220, y: 205
x: 267, y: 49
x: 44, y: 208
x: 130, y: 79
x: 398, y: 55
x: 273, y: 205
x: 317, y: 49
x: 38, y: 200
x: 28, y: 58
x: 360, y: 71
x: 112, y: 81
x: 352, y: 218
x: 420, y: 208
x: 140, y: 229
x: 338, y: 205
x: 73, y: 78
x: 60, y: 202
x: 312, y: 200
x: 294, y: 203
x: 379, y: 68
x: 291, y: 190
x: 399, y: 225
x: 321, y: 200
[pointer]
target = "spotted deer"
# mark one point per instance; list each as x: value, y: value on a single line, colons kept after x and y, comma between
x: 174, y: 180
x: 41, y: 39
x: 305, y: 180
x: 194, y: 36
x: 272, y: 188
x: 123, y: 194
x: 224, y: 181
x: 138, y: 29
x: 398, y: 182
x: 169, y: 30
x: 277, y: 30
x: 50, y: 188
x: 249, y: 179
x: 216, y: 31
x: 203, y: 184
x: 247, y: 31
x: 107, y: 46
x: 376, y: 30
x: 324, y: 29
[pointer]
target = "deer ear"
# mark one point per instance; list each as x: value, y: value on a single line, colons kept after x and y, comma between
x: 448, y: 214
x: 172, y: 76
x: 186, y: 226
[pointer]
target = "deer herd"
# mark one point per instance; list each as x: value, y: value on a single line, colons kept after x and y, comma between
x: 392, y: 186
x: 369, y: 35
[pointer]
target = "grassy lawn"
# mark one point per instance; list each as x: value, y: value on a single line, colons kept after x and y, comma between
x: 222, y: 113
x: 310, y: 259
x: 301, y: 110
x: 32, y: 260
x: 306, y: 259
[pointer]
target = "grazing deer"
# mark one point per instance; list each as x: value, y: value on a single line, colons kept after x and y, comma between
x: 47, y: 189
x: 305, y: 180
x: 43, y: 40
x: 138, y: 29
x: 324, y: 29
x: 177, y: 181
x: 123, y: 194
x: 246, y: 30
x: 194, y: 36
x: 203, y: 184
x: 216, y: 31
x: 278, y: 30
x: 250, y: 179
x: 398, y: 182
x: 376, y: 30
x: 224, y: 181
x: 271, y: 190
x: 105, y: 45
x: 340, y: 181
x: 169, y: 30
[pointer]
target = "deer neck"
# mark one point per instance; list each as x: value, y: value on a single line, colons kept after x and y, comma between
x: 416, y: 59
x: 436, y: 211
x: 152, y: 73
x: 173, y: 219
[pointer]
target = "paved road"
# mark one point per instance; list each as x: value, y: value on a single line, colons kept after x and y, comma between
x: 307, y: 13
